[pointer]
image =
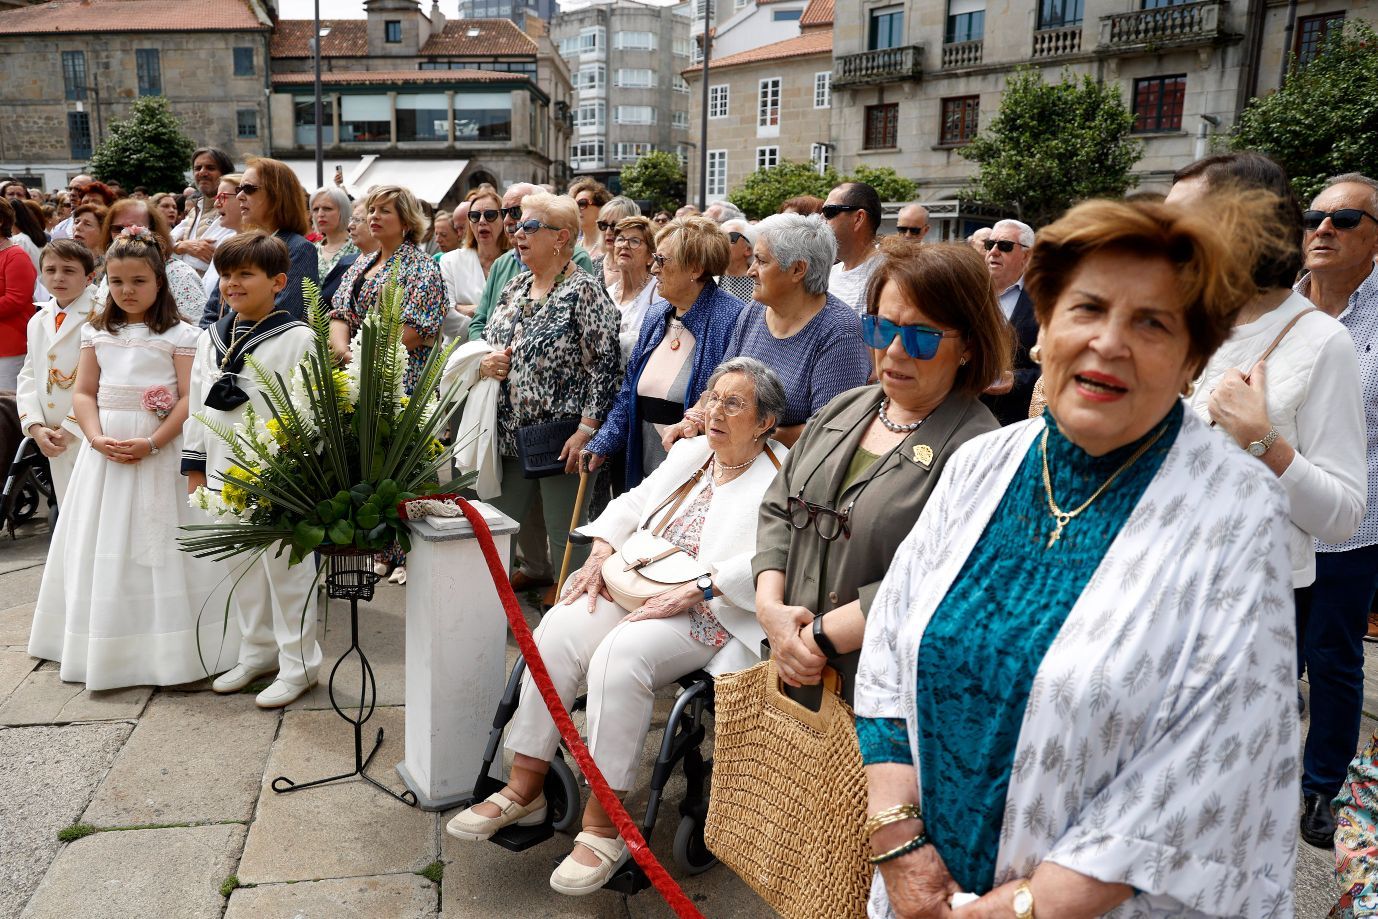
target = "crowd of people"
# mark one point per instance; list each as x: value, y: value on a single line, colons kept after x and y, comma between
x: 1069, y: 510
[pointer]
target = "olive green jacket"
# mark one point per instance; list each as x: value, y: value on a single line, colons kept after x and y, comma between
x: 885, y: 502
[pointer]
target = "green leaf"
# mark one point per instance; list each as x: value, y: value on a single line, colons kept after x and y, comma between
x: 341, y: 533
x: 367, y: 517
x: 378, y: 532
x: 387, y: 492
x: 307, y: 537
x: 656, y: 177
x: 326, y: 512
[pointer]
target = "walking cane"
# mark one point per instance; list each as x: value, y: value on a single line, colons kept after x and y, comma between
x: 552, y: 594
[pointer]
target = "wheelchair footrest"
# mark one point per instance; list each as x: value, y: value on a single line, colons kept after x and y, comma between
x: 520, y: 838
x: 629, y: 879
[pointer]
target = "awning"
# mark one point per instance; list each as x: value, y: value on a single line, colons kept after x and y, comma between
x: 306, y: 170
x: 429, y: 180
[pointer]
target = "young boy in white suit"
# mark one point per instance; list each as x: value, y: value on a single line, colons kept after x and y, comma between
x: 44, y: 391
x: 270, y: 600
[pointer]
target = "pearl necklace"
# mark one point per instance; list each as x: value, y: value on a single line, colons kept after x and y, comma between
x: 893, y: 427
x: 721, y: 468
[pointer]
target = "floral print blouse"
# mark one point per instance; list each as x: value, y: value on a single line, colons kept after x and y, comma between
x: 685, y: 531
x: 327, y: 263
x: 565, y: 358
x: 1356, y: 837
x: 423, y: 298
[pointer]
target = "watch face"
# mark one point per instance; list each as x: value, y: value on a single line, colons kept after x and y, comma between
x: 705, y: 582
x: 1256, y: 449
x: 1023, y: 902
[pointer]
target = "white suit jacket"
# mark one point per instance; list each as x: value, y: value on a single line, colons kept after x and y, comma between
x: 53, y: 353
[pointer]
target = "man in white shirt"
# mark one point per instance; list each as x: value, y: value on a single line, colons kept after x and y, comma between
x: 1007, y: 252
x: 195, y: 238
x: 853, y: 211
x: 75, y: 187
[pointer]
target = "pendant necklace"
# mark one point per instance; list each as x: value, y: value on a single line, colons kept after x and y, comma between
x: 678, y: 328
x: 1060, y: 517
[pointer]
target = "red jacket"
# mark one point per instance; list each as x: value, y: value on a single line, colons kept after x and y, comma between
x: 17, y: 277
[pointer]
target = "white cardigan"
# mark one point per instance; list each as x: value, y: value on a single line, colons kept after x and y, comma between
x: 1315, y: 402
x: 727, y: 545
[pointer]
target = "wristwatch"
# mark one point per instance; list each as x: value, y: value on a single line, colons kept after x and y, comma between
x: 705, y: 584
x: 1260, y: 447
x: 821, y: 639
x: 1023, y: 901
x: 152, y: 447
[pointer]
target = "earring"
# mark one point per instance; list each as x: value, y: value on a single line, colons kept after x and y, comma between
x: 1036, y: 354
x: 962, y: 362
x: 1190, y: 390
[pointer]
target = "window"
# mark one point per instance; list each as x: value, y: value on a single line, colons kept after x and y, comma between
x: 682, y: 151
x: 631, y: 151
x: 679, y: 119
x: 306, y: 121
x: 243, y: 62
x: 717, y: 173
x: 966, y: 20
x: 786, y: 15
x: 634, y: 41
x: 887, y: 28
x: 1059, y: 14
x: 586, y: 154
x: 392, y: 31
x: 569, y: 46
x: 1158, y: 103
x: 636, y: 78
x: 767, y: 157
x: 683, y: 47
x: 768, y: 104
x: 823, y: 89
x: 882, y: 126
x: 246, y: 123
x: 526, y: 67
x: 680, y: 85
x: 717, y: 101
x: 79, y: 134
x: 74, y: 75
x: 591, y: 39
x: 821, y: 155
x: 1312, y: 32
x: 590, y: 78
x: 961, y: 117
x: 422, y: 116
x: 150, y: 71
x: 635, y: 114
x: 478, y: 116
x: 365, y: 119
x: 590, y: 115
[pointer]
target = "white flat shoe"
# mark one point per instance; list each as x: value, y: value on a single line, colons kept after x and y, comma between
x: 238, y: 677
x: 576, y: 880
x: 399, y: 575
x: 281, y: 693
x: 380, y: 569
x: 475, y: 827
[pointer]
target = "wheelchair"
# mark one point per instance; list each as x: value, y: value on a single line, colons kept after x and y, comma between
x: 28, y: 484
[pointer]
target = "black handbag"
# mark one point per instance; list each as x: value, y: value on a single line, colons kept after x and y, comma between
x: 539, y: 446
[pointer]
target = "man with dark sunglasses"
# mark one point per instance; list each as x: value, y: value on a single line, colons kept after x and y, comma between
x: 853, y: 211
x: 1006, y: 250
x: 1334, y: 613
x: 912, y: 221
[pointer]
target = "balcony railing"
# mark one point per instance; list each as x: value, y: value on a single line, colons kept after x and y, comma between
x: 962, y: 54
x: 1057, y: 42
x: 888, y: 65
x: 1168, y: 26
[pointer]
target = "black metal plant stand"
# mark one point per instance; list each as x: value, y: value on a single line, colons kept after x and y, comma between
x: 350, y: 577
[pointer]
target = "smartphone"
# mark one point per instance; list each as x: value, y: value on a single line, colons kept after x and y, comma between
x: 339, y: 171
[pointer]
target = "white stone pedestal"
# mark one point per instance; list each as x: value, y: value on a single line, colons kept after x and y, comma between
x: 456, y: 658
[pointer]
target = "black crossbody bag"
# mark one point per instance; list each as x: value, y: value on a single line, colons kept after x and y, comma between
x: 539, y: 445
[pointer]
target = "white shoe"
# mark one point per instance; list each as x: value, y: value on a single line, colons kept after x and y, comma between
x: 399, y: 575
x: 475, y: 827
x: 576, y: 880
x: 380, y: 569
x: 281, y: 693
x: 238, y: 677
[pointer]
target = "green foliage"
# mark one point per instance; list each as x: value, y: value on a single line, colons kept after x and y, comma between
x: 76, y: 831
x: 1052, y: 145
x: 766, y: 189
x: 1324, y: 119
x: 433, y: 872
x: 148, y: 148
x: 890, y: 185
x: 228, y: 885
x: 656, y: 177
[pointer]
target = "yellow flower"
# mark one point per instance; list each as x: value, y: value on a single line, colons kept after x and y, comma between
x: 345, y: 390
x: 234, y: 496
x: 275, y: 428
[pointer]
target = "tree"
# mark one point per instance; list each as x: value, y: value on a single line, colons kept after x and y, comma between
x: 766, y: 189
x: 1324, y: 119
x: 148, y: 148
x: 890, y: 185
x: 656, y: 177
x: 1052, y: 145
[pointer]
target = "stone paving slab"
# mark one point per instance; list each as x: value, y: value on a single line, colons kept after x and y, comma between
x: 382, y: 636
x: 194, y: 758
x: 15, y: 667
x: 48, y: 776
x: 15, y: 622
x: 44, y: 699
x: 394, y: 896
x: 172, y: 873
x: 349, y: 829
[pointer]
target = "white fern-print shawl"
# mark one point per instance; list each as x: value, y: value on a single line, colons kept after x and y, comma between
x: 1159, y: 748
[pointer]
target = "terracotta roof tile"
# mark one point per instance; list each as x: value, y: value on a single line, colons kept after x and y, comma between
x: 78, y: 16
x: 375, y: 77
x: 349, y: 38
x: 818, y: 13
x: 813, y: 42
x: 495, y: 36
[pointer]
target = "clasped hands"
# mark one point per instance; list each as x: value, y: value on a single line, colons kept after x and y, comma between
x: 52, y: 442
x: 122, y: 451
x: 588, y: 581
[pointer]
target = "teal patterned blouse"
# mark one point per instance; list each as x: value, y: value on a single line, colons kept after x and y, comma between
x: 988, y: 636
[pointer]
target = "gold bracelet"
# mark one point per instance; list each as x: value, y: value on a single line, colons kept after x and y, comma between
x: 892, y: 815
x: 918, y: 842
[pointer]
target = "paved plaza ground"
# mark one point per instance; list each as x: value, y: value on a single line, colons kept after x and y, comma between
x: 175, y: 784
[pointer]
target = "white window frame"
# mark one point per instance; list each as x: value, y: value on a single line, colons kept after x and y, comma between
x: 768, y: 107
x: 683, y: 47
x: 679, y: 84
x: 599, y: 79
x: 584, y: 154
x: 717, y: 173
x: 718, y: 100
x: 823, y: 89
x: 634, y: 114
x: 634, y: 41
x: 682, y: 151
x: 632, y: 150
x: 767, y: 157
x: 821, y: 155
x: 679, y: 119
x: 592, y: 40
x: 591, y: 116
x: 625, y: 78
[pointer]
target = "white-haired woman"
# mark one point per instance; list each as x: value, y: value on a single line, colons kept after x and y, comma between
x: 330, y: 209
x: 737, y: 279
x: 609, y: 216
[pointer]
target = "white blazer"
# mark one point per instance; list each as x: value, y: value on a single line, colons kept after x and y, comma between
x: 53, y: 355
x: 727, y: 544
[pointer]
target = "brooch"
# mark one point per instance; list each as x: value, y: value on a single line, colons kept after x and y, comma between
x: 923, y: 453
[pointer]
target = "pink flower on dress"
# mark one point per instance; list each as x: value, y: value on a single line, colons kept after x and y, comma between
x: 159, y: 400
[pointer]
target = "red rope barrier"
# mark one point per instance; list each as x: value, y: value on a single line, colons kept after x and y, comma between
x: 664, y: 884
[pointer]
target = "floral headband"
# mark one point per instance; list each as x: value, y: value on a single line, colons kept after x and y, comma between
x: 142, y: 234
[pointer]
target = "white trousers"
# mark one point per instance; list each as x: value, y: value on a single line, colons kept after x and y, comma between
x: 276, y: 620
x: 624, y: 663
x: 61, y: 466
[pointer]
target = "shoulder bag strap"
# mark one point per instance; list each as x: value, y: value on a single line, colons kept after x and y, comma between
x: 676, y: 499
x: 1283, y: 334
x: 774, y: 460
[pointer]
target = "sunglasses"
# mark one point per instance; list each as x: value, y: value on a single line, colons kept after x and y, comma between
x: 489, y: 215
x: 919, y: 341
x: 1004, y: 245
x: 510, y: 213
x: 531, y: 226
x: 631, y: 242
x: 828, y: 523
x: 660, y: 260
x: 832, y: 210
x: 1346, y: 218
x: 249, y: 188
x: 735, y: 237
x: 607, y: 226
x: 662, y: 220
x: 912, y: 231
x: 584, y: 204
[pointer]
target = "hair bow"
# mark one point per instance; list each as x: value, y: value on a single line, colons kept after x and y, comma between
x: 142, y: 234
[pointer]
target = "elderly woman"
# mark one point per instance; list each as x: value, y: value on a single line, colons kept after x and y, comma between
x: 737, y: 279
x: 554, y: 340
x: 634, y: 288
x: 866, y: 463
x: 182, y: 279
x: 705, y: 496
x: 465, y: 269
x: 1077, y: 688
x: 330, y: 209
x: 683, y: 338
x: 87, y: 220
x: 589, y: 196
x: 611, y: 214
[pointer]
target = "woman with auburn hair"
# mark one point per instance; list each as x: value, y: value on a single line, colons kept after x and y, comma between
x: 88, y: 222
x: 466, y: 268
x: 271, y: 199
x: 182, y: 279
x: 1077, y: 689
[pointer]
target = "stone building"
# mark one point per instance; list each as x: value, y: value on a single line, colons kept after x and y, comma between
x: 71, y: 68
x: 411, y: 98
x: 625, y: 57
x: 766, y: 105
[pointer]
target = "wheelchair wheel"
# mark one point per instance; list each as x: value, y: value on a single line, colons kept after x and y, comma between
x: 690, y: 851
x: 561, y: 795
x: 26, y: 505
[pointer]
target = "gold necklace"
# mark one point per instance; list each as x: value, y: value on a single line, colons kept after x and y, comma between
x: 1065, y: 517
x: 244, y: 336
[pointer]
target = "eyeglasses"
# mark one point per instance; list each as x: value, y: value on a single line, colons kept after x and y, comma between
x: 607, y: 226
x: 1346, y: 218
x: 732, y: 406
x: 828, y: 523
x: 489, y: 215
x: 920, y: 342
x: 1004, y: 245
x: 631, y: 242
x: 660, y: 260
x: 735, y: 237
x: 531, y: 226
x: 510, y: 213
x: 584, y: 204
x: 912, y: 231
x: 355, y: 221
x: 249, y: 188
x: 832, y: 210
x: 222, y: 195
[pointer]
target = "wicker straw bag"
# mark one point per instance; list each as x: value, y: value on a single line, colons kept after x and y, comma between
x: 788, y: 802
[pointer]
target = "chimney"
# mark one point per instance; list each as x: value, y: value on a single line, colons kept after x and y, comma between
x: 437, y: 18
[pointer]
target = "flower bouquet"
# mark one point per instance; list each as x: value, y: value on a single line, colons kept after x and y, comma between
x: 326, y: 459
